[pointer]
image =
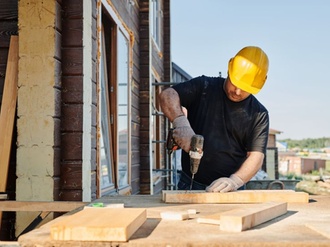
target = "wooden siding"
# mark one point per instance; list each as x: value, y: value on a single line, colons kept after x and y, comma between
x: 72, y: 101
x: 144, y: 97
x: 161, y: 67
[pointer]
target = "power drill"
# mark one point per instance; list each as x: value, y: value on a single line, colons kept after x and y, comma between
x: 195, y: 153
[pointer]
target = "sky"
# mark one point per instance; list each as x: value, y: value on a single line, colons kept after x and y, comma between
x: 295, y: 34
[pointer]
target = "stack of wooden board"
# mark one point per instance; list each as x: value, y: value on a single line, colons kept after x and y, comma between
x: 99, y: 224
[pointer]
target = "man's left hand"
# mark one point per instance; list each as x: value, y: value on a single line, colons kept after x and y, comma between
x: 225, y: 184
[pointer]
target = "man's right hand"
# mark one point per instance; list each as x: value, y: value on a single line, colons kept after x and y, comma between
x: 182, y: 132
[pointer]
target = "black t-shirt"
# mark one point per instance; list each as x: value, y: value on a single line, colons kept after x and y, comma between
x: 230, y: 129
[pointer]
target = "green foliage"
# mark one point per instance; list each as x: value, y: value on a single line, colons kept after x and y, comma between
x: 309, y: 143
x: 315, y: 172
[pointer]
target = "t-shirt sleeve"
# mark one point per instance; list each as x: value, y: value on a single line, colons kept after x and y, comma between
x: 190, y: 90
x: 259, y: 135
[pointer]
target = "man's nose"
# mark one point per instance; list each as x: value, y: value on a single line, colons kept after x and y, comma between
x: 238, y: 91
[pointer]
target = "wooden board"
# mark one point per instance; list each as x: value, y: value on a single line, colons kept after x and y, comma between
x: 241, y: 219
x: 99, y: 224
x: 242, y: 196
x: 7, y: 113
x: 24, y: 206
x: 8, y: 109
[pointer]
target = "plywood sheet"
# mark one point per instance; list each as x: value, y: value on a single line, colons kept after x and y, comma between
x: 242, y: 196
x: 99, y: 224
x: 322, y: 228
x: 241, y: 219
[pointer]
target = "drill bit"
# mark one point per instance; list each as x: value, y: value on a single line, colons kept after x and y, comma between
x: 192, y: 180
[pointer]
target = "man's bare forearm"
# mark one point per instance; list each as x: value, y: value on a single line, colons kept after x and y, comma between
x: 251, y: 166
x: 170, y: 104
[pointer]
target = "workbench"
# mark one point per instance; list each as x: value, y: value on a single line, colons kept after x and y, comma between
x: 305, y: 224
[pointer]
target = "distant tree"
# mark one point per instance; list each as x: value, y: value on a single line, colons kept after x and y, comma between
x: 309, y: 143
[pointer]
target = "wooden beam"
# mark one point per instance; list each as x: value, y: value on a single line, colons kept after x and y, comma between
x: 241, y: 219
x: 99, y: 224
x: 242, y: 196
x: 24, y: 206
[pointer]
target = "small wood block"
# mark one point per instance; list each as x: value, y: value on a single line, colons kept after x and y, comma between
x: 172, y: 215
x: 238, y: 220
x: 213, y: 219
x: 192, y: 211
x: 242, y: 196
x: 99, y: 224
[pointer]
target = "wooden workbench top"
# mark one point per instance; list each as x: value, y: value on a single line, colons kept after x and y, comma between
x: 305, y: 224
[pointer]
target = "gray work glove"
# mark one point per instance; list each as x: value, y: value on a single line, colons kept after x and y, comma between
x: 182, y: 132
x: 225, y: 184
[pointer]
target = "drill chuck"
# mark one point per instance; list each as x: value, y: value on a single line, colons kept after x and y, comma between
x: 196, y: 152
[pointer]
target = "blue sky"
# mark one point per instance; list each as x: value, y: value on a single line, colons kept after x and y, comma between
x: 295, y: 34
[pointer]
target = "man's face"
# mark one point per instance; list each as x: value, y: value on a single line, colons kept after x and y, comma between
x: 234, y: 93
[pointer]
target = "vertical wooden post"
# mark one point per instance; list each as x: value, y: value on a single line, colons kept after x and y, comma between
x: 7, y: 113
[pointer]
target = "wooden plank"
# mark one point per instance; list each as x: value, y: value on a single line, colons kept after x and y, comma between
x: 241, y: 219
x: 99, y: 224
x: 242, y: 196
x: 24, y: 206
x: 244, y: 215
x: 8, y: 109
x: 7, y: 113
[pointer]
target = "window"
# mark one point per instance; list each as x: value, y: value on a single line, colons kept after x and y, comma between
x: 156, y: 20
x: 105, y: 148
x: 113, y: 108
x: 123, y: 118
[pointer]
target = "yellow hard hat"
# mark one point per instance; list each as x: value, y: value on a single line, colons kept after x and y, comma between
x: 248, y: 69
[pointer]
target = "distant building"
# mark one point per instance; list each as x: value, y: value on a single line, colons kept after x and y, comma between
x: 289, y: 164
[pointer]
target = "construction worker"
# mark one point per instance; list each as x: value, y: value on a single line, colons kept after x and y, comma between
x: 225, y: 112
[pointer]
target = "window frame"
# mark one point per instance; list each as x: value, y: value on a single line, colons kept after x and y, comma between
x: 156, y: 23
x: 114, y: 27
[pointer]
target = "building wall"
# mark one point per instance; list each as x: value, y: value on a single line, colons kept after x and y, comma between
x: 308, y: 165
x: 299, y: 165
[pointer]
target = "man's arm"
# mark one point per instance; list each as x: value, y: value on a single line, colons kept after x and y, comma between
x: 171, y: 107
x: 170, y: 104
x: 250, y: 166
x: 248, y: 169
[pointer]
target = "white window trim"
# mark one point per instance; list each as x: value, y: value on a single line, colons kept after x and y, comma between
x: 87, y: 102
